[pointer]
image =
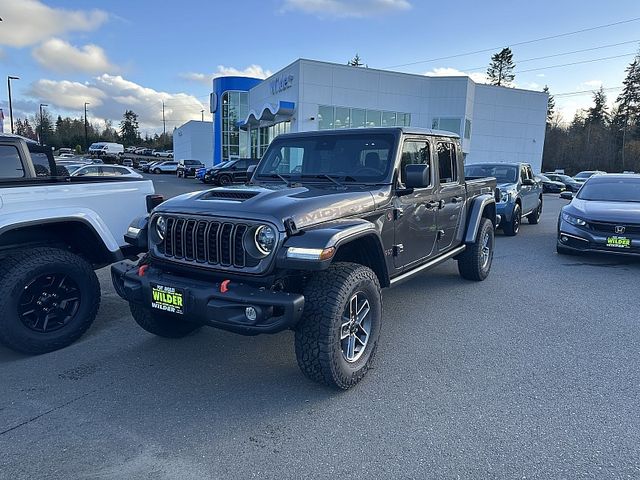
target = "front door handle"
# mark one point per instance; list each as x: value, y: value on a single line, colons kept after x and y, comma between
x: 441, y: 204
x: 457, y: 199
x: 432, y: 204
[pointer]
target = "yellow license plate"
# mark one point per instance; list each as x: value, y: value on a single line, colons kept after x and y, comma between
x: 618, y: 242
x: 167, y: 299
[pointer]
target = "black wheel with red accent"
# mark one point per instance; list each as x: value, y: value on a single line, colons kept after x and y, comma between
x: 50, y: 297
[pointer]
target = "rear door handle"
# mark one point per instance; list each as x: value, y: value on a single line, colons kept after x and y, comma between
x: 432, y: 204
x: 457, y: 199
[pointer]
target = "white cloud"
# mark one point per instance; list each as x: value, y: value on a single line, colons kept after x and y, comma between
x: 454, y: 72
x: 27, y: 22
x: 61, y: 56
x: 255, y: 71
x: 66, y: 94
x: 594, y: 84
x: 540, y: 75
x: 110, y: 95
x: 346, y: 8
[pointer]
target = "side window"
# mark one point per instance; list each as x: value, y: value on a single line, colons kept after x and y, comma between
x: 90, y: 172
x: 530, y: 172
x: 41, y: 164
x: 447, y: 162
x: 414, y: 152
x: 10, y: 164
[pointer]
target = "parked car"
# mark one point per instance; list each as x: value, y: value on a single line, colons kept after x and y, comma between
x: 232, y: 171
x: 585, y: 175
x: 147, y: 151
x: 140, y: 150
x: 66, y: 150
x: 164, y: 167
x: 105, y: 171
x: 106, y: 149
x: 161, y: 154
x: 142, y: 164
x: 569, y: 183
x: 604, y: 216
x: 147, y: 166
x: 66, y: 155
x: 520, y: 194
x: 200, y: 172
x: 312, y: 255
x: 187, y: 168
x: 53, y: 235
x: 127, y: 162
x: 548, y: 185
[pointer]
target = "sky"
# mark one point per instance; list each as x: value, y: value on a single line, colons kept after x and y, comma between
x: 137, y: 54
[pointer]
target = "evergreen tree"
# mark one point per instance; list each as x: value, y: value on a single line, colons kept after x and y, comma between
x: 500, y: 71
x: 551, y: 106
x: 356, y: 62
x: 629, y: 99
x: 24, y: 128
x: 129, y: 128
x: 597, y: 114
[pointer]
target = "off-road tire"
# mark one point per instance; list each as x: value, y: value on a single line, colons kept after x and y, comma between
x: 512, y: 228
x: 224, y: 180
x: 17, y: 271
x: 471, y: 263
x: 317, y: 337
x: 534, y: 217
x: 161, y: 325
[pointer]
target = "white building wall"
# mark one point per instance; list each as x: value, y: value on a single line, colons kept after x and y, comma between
x: 194, y: 141
x: 508, y: 126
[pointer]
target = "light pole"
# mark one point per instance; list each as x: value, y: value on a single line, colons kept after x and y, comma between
x: 41, y: 127
x: 164, y: 124
x: 9, y: 78
x: 86, y: 137
x: 202, y: 114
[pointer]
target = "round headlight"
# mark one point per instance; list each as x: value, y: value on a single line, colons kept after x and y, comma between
x: 161, y: 227
x: 265, y: 238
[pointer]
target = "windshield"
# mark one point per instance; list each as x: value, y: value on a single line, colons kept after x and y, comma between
x: 365, y: 158
x: 584, y: 174
x: 502, y: 173
x: 611, y: 190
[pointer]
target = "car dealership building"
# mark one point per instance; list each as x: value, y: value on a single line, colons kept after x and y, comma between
x: 496, y: 124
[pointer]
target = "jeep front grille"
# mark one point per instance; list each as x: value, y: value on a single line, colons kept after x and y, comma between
x: 209, y: 242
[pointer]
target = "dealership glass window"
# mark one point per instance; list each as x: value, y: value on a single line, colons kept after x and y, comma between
x: 447, y: 162
x: 403, y: 119
x: 358, y: 118
x: 414, y: 152
x: 389, y: 119
x: 342, y: 117
x: 235, y: 143
x: 325, y: 117
x: 10, y: 164
x: 374, y: 118
x: 447, y: 124
x: 467, y: 128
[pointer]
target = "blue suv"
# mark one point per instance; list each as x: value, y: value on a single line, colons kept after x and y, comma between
x: 520, y: 192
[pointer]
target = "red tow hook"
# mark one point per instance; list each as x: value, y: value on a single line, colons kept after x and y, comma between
x: 142, y: 270
x: 224, y: 286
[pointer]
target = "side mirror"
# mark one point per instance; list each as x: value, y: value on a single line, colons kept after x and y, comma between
x: 417, y: 175
x: 566, y: 195
x: 528, y: 181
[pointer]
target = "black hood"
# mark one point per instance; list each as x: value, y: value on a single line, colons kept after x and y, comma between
x: 608, y: 212
x: 307, y: 205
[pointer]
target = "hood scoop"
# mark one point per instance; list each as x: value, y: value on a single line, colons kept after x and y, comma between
x: 237, y: 196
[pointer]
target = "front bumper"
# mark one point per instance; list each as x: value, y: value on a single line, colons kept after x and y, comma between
x: 588, y: 241
x: 505, y: 211
x: 206, y: 303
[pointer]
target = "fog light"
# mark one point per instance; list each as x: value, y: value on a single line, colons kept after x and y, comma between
x: 251, y: 313
x: 564, y: 239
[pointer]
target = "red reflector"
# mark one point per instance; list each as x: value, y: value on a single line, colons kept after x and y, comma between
x: 142, y: 270
x: 224, y: 286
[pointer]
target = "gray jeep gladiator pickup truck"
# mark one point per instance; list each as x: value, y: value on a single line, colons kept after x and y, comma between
x: 327, y: 219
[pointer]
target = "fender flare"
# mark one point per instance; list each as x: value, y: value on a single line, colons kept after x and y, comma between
x: 479, y: 205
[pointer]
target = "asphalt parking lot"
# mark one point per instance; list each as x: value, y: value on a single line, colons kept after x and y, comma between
x: 530, y: 374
